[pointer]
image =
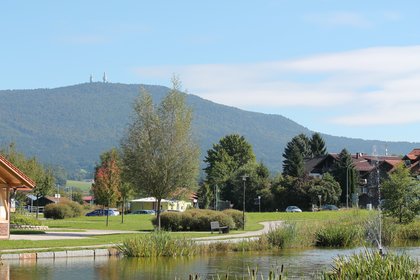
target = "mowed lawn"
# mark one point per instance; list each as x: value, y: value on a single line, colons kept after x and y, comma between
x: 82, y: 185
x: 143, y: 224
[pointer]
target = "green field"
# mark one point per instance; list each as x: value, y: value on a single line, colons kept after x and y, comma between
x: 142, y: 223
x: 84, y: 186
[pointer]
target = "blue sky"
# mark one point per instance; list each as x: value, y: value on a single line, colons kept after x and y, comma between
x: 346, y: 68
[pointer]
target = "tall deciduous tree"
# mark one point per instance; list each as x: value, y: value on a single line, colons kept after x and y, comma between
x: 43, y: 177
x: 224, y: 160
x: 317, y: 145
x: 402, y: 195
x: 107, y: 180
x: 159, y: 154
x: 328, y: 188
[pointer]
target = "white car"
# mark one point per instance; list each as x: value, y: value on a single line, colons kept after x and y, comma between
x: 292, y: 209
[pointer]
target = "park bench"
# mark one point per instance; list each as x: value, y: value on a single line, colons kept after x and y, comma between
x: 216, y: 226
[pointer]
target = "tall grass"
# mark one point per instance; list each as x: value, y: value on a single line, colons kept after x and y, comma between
x: 372, y: 265
x: 338, y: 235
x: 252, y: 274
x: 158, y: 244
x: 283, y: 236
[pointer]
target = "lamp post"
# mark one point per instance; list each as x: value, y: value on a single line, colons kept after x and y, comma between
x: 243, y: 202
x: 347, y: 186
x: 259, y: 204
x: 319, y: 197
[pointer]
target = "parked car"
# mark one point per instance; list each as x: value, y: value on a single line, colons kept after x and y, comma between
x: 103, y: 212
x: 292, y: 209
x: 329, y: 207
x: 151, y: 212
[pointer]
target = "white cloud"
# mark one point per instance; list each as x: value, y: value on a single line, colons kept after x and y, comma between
x: 364, y: 87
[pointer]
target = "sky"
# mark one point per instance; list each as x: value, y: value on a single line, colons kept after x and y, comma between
x: 345, y: 68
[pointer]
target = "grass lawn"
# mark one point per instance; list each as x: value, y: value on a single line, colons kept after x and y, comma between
x: 55, y: 245
x: 84, y: 186
x: 131, y: 222
x: 143, y: 223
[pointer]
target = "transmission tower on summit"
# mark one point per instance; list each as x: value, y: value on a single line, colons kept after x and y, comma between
x: 104, y: 78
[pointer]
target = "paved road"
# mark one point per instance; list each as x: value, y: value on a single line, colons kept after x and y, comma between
x: 56, y: 235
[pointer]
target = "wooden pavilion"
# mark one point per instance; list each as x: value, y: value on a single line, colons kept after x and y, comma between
x: 11, y: 180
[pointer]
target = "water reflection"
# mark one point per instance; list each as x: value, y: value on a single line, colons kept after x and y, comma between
x: 305, y: 264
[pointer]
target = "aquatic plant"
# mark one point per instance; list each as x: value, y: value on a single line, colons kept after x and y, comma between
x: 158, y: 244
x: 337, y: 235
x: 373, y: 265
x: 282, y: 236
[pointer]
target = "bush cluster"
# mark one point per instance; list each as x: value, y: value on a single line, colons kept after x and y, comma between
x: 237, y: 217
x: 193, y: 220
x: 20, y: 219
x: 63, y: 210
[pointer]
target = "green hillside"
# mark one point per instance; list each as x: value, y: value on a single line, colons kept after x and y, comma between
x: 71, y: 126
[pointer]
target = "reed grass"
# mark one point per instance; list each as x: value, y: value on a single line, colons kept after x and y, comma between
x: 158, y: 244
x: 372, y: 265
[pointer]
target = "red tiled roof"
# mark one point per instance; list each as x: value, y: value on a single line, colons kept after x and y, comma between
x: 23, y: 181
x: 415, y: 152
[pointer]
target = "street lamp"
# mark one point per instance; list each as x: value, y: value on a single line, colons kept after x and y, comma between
x: 259, y: 204
x: 243, y: 206
x: 347, y: 186
x: 319, y: 197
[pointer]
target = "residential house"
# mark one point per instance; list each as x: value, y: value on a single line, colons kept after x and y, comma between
x: 367, y: 167
x: 11, y: 180
x: 150, y: 203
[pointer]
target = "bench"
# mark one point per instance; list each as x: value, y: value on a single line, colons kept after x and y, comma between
x: 216, y: 226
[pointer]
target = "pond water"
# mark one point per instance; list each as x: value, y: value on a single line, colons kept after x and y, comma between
x: 299, y: 264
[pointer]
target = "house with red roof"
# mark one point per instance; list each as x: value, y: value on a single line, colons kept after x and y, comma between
x: 11, y: 180
x: 367, y: 167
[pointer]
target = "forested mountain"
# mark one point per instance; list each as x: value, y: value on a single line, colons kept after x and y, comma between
x: 71, y: 126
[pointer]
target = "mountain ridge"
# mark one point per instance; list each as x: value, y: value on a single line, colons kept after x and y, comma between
x: 72, y: 125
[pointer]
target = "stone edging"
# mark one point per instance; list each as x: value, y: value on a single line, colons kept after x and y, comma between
x: 62, y: 254
x: 28, y: 227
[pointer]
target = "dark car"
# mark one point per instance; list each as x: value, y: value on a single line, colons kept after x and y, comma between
x: 103, y: 212
x: 329, y: 207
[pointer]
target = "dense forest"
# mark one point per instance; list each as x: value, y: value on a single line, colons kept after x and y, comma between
x: 71, y: 126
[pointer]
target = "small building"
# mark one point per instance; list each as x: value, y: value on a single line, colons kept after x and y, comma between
x: 89, y: 199
x: 150, y: 203
x: 11, y: 180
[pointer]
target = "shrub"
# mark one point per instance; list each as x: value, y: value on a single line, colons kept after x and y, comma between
x: 237, y: 217
x: 57, y: 211
x: 20, y: 219
x: 372, y: 265
x: 76, y: 210
x: 194, y: 219
x: 410, y: 231
x: 337, y: 235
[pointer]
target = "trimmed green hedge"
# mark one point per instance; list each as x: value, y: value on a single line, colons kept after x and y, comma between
x: 19, y: 219
x: 193, y: 220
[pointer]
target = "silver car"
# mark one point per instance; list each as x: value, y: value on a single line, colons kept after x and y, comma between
x: 292, y: 209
